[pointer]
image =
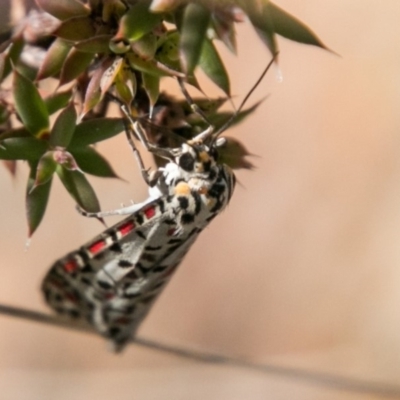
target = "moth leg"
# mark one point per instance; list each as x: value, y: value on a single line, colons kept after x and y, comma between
x: 137, y: 155
x: 138, y: 131
x: 132, y: 208
x: 196, y: 109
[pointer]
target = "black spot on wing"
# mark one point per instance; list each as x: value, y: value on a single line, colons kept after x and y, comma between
x: 116, y: 248
x: 141, y: 234
x: 124, y: 264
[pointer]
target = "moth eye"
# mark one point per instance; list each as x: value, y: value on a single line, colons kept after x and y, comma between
x: 214, y: 153
x: 186, y: 162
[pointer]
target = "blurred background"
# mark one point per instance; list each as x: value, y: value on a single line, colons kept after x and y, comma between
x: 303, y: 268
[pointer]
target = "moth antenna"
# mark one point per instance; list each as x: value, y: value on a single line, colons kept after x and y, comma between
x: 226, y: 125
x: 195, y: 108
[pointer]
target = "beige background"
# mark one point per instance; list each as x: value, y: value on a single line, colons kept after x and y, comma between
x: 302, y: 270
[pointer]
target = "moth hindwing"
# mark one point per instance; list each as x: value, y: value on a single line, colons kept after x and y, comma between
x: 112, y: 281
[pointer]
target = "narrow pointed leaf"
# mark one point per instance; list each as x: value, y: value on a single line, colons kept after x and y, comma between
x: 194, y: 26
x: 75, y: 63
x: 96, y: 44
x: 94, y: 93
x: 36, y: 201
x: 57, y: 101
x: 225, y: 31
x: 45, y: 169
x: 212, y: 65
x: 290, y: 27
x: 64, y: 9
x: 64, y: 127
x: 15, y: 133
x: 30, y: 106
x: 79, y: 188
x: 12, y: 56
x: 138, y: 21
x: 262, y: 21
x: 91, y: 162
x: 151, y: 85
x: 95, y: 130
x: 146, y: 46
x: 54, y: 59
x: 22, y: 148
x: 147, y: 66
x: 109, y: 72
x: 76, y: 29
x: 126, y: 85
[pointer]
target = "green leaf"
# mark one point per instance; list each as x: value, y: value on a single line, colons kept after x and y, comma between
x: 95, y: 130
x: 126, y: 85
x: 45, y: 169
x: 259, y: 16
x: 147, y: 66
x: 151, y: 85
x: 64, y: 9
x: 146, y: 46
x: 22, y: 148
x: 168, y: 52
x: 79, y: 188
x: 75, y: 63
x: 95, y: 44
x: 91, y: 162
x: 15, y: 133
x: 213, y: 67
x: 138, y: 21
x: 54, y: 59
x: 290, y: 27
x: 225, y: 32
x: 30, y: 106
x: 64, y: 127
x: 12, y: 56
x: 36, y: 201
x: 76, y: 29
x: 194, y: 26
x: 57, y: 101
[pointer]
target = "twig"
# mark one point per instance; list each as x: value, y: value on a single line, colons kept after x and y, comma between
x: 329, y: 380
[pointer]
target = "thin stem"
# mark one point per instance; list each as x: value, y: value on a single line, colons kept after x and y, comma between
x: 317, y: 378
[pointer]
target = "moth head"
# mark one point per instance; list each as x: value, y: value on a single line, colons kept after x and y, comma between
x: 195, y: 157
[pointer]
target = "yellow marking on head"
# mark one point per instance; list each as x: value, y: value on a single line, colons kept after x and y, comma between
x: 182, y: 189
x: 204, y: 156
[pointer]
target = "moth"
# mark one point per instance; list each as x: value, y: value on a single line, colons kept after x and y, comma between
x: 113, y: 280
